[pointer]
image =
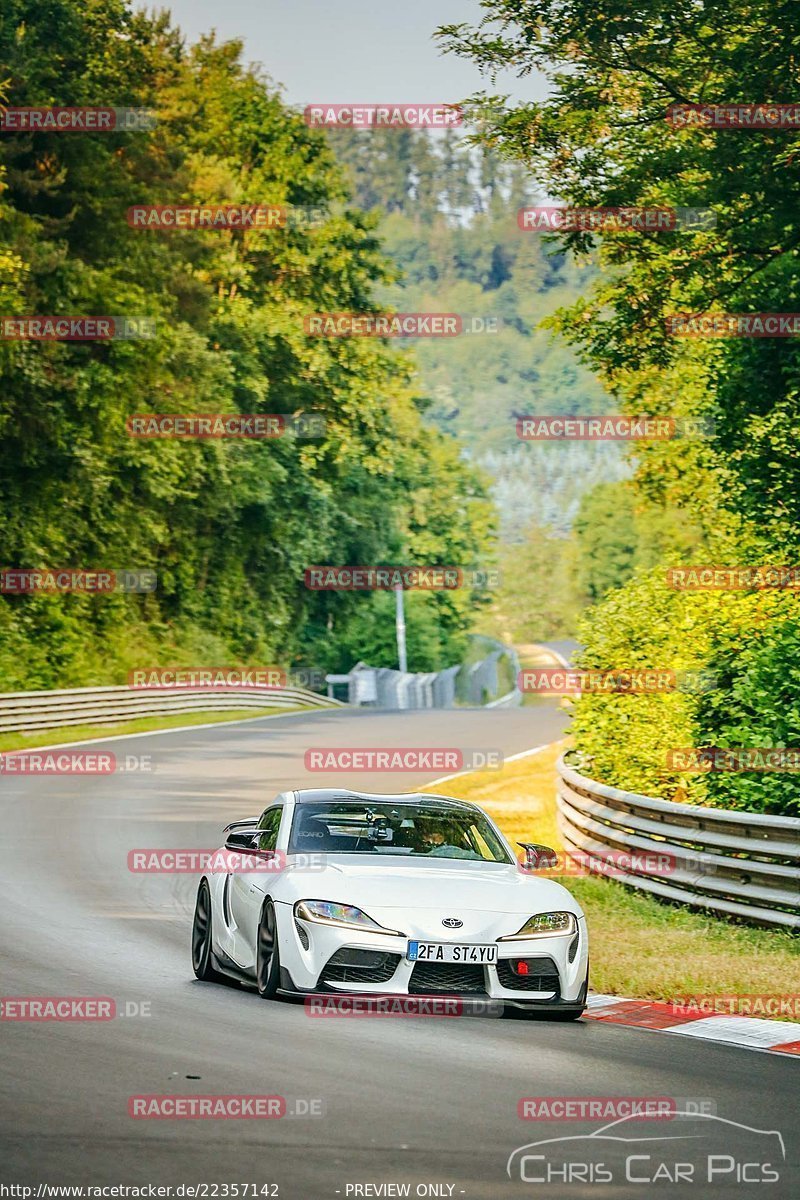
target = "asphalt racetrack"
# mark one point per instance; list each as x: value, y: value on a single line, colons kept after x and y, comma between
x: 428, y: 1104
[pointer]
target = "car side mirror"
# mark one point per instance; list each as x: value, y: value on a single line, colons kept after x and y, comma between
x: 538, y: 857
x: 242, y: 839
x: 247, y: 823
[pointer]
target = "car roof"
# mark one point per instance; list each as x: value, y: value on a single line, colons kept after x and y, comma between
x: 342, y: 795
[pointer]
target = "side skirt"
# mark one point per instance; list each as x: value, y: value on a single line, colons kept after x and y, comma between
x: 227, y: 966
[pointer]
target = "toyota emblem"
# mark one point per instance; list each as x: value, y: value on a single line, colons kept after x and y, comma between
x: 452, y: 922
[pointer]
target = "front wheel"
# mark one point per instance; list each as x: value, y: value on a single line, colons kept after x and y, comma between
x: 268, y: 967
x: 201, y: 936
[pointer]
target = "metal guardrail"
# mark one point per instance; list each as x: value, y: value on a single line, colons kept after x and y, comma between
x: 27, y: 711
x: 22, y: 712
x: 471, y: 684
x: 739, y: 864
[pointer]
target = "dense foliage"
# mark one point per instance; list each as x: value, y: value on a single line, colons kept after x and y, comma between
x: 449, y: 221
x: 229, y: 526
x: 740, y: 651
x: 601, y: 139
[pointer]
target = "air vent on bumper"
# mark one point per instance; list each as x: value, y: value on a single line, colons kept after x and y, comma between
x: 350, y: 965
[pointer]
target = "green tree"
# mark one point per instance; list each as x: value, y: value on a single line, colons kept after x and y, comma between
x: 607, y: 541
x: 618, y: 530
x: 229, y: 527
x: 601, y: 139
x: 537, y: 599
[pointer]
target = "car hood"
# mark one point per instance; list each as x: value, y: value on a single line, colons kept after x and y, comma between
x: 447, y: 883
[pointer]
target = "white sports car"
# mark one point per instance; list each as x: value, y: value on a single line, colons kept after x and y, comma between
x: 339, y: 891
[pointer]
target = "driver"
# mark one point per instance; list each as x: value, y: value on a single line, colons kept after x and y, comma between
x: 433, y: 841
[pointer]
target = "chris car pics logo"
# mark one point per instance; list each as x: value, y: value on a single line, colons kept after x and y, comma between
x: 695, y: 1148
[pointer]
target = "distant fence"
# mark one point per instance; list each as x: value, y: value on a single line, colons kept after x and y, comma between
x: 739, y: 864
x: 476, y: 684
x: 27, y: 711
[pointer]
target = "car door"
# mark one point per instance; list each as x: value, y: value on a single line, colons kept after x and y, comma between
x: 246, y: 890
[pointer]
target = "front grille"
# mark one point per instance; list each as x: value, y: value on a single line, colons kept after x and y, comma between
x: 434, y: 978
x: 542, y: 975
x: 350, y: 965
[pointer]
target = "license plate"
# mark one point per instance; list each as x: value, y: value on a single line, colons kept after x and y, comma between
x: 450, y: 952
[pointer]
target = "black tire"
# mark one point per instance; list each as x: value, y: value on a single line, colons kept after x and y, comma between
x: 268, y: 967
x: 201, y: 936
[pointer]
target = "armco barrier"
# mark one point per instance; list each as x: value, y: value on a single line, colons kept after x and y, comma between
x: 26, y: 711
x: 467, y: 684
x: 736, y: 863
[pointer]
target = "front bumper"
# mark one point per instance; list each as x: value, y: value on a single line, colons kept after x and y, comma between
x: 557, y: 986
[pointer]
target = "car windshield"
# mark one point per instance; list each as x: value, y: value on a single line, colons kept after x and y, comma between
x: 427, y: 830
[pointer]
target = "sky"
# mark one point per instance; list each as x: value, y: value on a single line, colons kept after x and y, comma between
x: 360, y: 51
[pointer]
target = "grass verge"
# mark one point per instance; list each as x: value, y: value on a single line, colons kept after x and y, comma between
x: 83, y: 733
x: 639, y: 946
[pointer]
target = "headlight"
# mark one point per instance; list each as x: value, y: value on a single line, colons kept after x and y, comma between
x: 326, y: 912
x: 554, y: 924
